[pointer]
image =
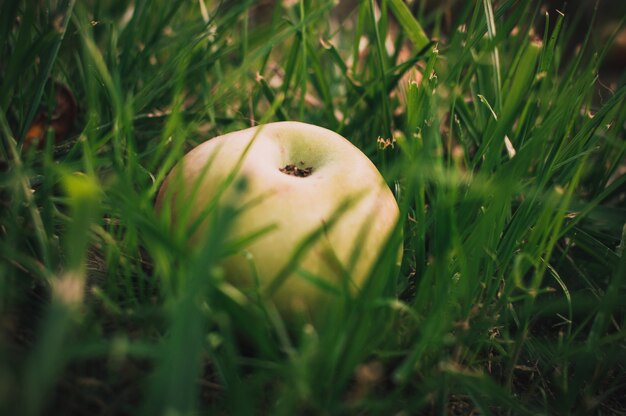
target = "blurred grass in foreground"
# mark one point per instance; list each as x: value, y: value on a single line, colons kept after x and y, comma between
x: 501, y: 137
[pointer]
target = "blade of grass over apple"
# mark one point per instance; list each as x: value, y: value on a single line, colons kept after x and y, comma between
x: 302, y: 248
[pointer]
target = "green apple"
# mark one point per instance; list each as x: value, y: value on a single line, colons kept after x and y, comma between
x: 296, y: 177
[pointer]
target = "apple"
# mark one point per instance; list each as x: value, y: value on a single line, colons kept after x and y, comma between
x: 295, y: 177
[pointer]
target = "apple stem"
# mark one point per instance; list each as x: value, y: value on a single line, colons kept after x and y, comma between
x: 293, y: 170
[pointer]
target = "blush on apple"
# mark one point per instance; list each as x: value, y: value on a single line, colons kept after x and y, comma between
x: 297, y: 176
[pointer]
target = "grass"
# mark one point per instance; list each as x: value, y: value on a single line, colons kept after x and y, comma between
x: 505, y: 151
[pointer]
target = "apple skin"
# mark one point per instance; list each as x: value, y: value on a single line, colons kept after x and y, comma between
x: 296, y: 206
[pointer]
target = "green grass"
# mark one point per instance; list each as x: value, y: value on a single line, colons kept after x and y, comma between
x: 507, y: 161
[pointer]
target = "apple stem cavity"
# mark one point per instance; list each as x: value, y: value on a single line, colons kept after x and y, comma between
x: 294, y: 170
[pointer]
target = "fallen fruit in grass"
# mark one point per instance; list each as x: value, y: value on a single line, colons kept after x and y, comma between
x: 61, y: 120
x: 309, y: 184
